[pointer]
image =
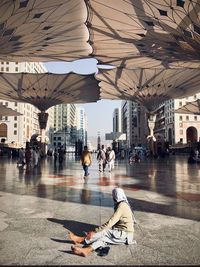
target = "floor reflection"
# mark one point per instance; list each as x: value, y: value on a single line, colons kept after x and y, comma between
x: 168, y: 186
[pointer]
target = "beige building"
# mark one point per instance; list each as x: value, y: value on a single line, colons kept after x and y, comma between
x: 19, y: 129
x: 176, y: 127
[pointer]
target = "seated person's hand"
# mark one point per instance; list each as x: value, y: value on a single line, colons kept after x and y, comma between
x: 90, y: 235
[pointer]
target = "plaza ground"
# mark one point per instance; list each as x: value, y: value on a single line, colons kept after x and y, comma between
x: 40, y: 205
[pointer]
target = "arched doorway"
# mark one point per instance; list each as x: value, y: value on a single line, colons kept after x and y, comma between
x: 3, y: 130
x: 191, y: 135
x: 170, y: 136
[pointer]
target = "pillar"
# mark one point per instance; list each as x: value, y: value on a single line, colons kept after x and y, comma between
x: 43, y: 118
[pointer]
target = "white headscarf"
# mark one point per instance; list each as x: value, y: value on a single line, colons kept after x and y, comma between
x: 119, y: 195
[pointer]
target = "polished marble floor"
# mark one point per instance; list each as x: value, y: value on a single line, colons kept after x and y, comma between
x: 39, y: 204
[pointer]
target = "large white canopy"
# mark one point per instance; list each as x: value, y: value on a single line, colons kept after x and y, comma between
x: 148, y: 86
x: 190, y: 108
x: 35, y: 30
x: 145, y: 33
x: 46, y: 90
x: 5, y: 111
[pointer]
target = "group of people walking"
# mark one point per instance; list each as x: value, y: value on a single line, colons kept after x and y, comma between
x: 29, y: 157
x: 104, y: 157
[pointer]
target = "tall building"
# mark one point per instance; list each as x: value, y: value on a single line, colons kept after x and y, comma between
x: 81, y: 125
x: 64, y: 125
x: 134, y: 123
x: 19, y: 129
x: 117, y: 121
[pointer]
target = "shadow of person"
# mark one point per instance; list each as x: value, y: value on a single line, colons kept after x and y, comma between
x: 77, y: 228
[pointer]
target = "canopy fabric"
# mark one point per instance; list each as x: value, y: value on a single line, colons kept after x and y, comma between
x: 35, y: 30
x: 190, y: 108
x: 149, y: 87
x: 45, y: 90
x: 145, y: 33
x: 5, y: 111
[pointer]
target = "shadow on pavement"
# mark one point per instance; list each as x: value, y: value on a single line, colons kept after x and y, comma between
x: 74, y: 226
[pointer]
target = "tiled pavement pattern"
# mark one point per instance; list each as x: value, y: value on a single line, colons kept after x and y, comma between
x: 38, y: 206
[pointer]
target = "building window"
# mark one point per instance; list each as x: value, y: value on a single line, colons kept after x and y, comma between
x: 54, y: 138
x: 180, y: 118
x: 187, y: 118
x: 195, y: 118
x: 15, y: 104
x: 15, y: 118
x: 180, y: 104
x: 6, y: 118
x: 7, y: 69
x: 2, y: 68
x: 15, y: 132
x: 16, y: 69
x: 15, y: 125
x: 181, y: 132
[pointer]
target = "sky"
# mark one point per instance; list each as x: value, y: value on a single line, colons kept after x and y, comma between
x: 99, y: 114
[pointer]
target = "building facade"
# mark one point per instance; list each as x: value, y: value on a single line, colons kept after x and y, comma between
x: 134, y: 123
x: 64, y: 125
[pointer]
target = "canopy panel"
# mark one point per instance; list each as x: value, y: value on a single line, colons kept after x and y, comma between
x: 190, y: 108
x: 5, y: 111
x: 149, y: 87
x: 35, y: 30
x: 46, y: 90
x: 145, y: 33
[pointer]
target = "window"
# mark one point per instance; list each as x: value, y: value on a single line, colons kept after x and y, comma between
x: 180, y: 104
x: 15, y: 104
x: 2, y: 68
x: 7, y: 69
x: 15, y: 118
x: 180, y: 118
x: 15, y: 125
x: 15, y: 132
x: 54, y: 138
x: 16, y: 69
x: 195, y: 118
x: 181, y: 132
x: 187, y: 118
x: 6, y: 118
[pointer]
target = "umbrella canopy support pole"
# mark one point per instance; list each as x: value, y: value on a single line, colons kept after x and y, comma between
x: 43, y: 118
x: 151, y: 138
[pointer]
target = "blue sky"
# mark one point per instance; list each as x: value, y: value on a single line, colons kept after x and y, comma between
x: 99, y: 114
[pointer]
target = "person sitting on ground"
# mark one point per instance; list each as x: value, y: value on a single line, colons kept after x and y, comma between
x: 119, y: 229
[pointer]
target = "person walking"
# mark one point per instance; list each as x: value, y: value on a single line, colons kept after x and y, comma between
x: 86, y: 161
x: 101, y: 157
x: 21, y: 161
x: 119, y: 229
x: 110, y: 157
